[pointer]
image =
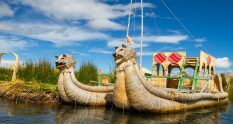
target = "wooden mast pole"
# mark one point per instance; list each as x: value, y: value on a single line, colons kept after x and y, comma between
x: 141, y: 34
x: 127, y: 32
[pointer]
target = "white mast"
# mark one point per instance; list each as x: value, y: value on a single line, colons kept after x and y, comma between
x: 130, y: 9
x: 141, y: 34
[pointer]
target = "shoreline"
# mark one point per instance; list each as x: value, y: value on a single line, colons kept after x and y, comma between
x: 29, y: 92
x: 40, y: 93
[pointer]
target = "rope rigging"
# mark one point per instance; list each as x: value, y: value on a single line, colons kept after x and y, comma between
x: 128, y: 39
x: 141, y: 39
x: 133, y: 10
x: 182, y: 25
x: 178, y: 20
x: 156, y: 23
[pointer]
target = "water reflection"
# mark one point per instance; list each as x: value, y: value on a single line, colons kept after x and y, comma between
x: 11, y: 112
x: 227, y: 116
x: 82, y: 114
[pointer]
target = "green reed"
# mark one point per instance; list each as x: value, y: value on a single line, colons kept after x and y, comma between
x: 87, y: 72
x: 40, y: 71
x: 5, y: 73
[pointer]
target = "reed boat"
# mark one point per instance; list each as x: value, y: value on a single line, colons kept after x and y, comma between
x: 165, y: 93
x: 15, y: 66
x: 71, y: 90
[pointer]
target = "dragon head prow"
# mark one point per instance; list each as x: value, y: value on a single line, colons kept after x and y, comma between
x: 123, y: 54
x: 65, y: 61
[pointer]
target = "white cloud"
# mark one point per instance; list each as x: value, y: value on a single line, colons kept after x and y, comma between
x: 170, y: 49
x: 83, y: 10
x: 9, y: 43
x: 103, y: 24
x: 149, y: 53
x: 200, y: 40
x: 7, y: 63
x: 172, y: 39
x: 198, y: 45
x: 223, y: 62
x: 102, y: 51
x: 80, y: 53
x: 5, y: 10
x: 174, y: 31
x: 76, y: 9
x: 98, y: 50
x: 152, y: 15
x: 120, y: 41
x: 145, y: 53
x: 58, y: 34
x: 80, y: 9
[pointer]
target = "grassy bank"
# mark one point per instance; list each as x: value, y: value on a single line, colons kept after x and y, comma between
x: 32, y: 92
x: 5, y: 74
x: 36, y: 81
x: 40, y: 71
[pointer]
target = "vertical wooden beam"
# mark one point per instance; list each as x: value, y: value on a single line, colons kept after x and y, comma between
x: 194, y: 87
x: 157, y: 69
x: 180, y: 85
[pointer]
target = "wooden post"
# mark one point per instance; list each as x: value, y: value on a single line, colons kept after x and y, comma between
x: 180, y: 85
x: 157, y: 66
x: 194, y: 87
x: 204, y: 73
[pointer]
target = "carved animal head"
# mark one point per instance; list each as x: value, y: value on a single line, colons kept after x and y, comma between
x: 65, y: 61
x: 123, y: 54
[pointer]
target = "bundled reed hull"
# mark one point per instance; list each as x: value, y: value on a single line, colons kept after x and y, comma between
x: 120, y: 98
x: 143, y: 96
x: 71, y: 90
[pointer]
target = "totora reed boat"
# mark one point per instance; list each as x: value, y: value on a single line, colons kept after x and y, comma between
x: 71, y: 90
x: 151, y: 93
x: 132, y: 90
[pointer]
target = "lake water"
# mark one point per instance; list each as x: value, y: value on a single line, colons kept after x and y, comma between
x: 21, y: 113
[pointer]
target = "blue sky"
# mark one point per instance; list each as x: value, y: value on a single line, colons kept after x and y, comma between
x: 89, y: 29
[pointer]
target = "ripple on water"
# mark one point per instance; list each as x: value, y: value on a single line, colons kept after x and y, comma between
x: 11, y: 112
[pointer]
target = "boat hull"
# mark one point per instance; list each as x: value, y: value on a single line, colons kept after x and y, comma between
x: 143, y: 96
